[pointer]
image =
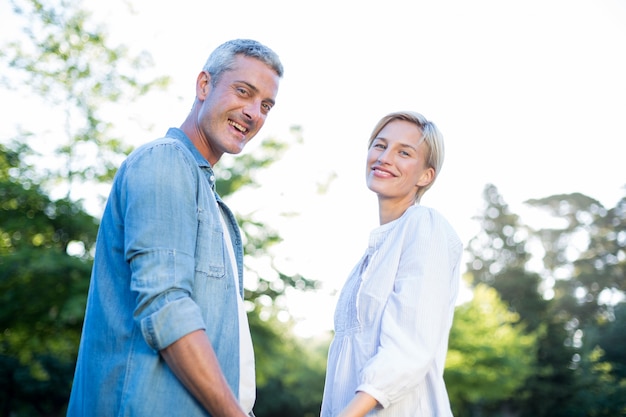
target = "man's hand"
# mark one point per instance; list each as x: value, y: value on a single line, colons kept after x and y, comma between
x: 193, y: 361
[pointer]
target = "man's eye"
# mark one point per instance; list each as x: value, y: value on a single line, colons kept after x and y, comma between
x: 242, y: 91
x: 266, y: 107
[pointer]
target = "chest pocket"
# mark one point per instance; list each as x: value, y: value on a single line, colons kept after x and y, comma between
x: 210, y: 253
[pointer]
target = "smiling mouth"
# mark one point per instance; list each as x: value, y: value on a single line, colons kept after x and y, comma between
x: 382, y: 172
x: 238, y: 127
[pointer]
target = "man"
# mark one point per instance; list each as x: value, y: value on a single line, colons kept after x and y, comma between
x: 165, y: 331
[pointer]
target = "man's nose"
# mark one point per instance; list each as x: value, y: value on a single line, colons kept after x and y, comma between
x: 253, y: 111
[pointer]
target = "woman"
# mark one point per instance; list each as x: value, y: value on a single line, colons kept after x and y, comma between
x: 394, y: 312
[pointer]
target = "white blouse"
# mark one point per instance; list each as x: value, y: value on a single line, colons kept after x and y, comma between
x: 393, y: 318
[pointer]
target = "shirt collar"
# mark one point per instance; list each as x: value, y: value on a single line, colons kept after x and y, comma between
x: 178, y: 134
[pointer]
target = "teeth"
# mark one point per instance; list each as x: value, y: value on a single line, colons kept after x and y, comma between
x: 237, y: 126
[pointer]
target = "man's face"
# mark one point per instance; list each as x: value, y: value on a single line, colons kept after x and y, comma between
x: 234, y: 109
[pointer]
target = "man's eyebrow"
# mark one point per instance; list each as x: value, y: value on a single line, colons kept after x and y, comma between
x: 256, y: 90
x: 250, y: 86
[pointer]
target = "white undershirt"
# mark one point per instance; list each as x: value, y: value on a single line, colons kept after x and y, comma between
x: 247, y: 379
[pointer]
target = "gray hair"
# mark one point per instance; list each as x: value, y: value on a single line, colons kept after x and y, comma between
x: 430, y: 134
x: 222, y: 58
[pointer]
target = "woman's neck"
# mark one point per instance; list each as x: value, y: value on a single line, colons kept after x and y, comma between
x: 390, y: 210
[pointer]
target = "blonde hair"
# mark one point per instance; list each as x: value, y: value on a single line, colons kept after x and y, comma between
x: 430, y: 135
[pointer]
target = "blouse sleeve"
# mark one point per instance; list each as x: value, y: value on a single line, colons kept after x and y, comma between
x: 418, y: 313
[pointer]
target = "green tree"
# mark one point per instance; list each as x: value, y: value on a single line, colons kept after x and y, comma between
x: 44, y: 275
x: 587, y: 252
x: 500, y: 244
x: 490, y: 355
x: 499, y: 256
x: 604, y: 346
x: 585, y: 258
x: 290, y: 374
x: 67, y: 60
x: 570, y: 295
x: 610, y: 336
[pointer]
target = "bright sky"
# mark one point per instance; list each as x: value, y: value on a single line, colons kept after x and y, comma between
x: 530, y: 96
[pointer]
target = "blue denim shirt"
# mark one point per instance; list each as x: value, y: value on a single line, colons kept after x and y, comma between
x: 160, y: 272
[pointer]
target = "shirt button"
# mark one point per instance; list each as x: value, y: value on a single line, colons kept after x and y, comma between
x: 212, y: 178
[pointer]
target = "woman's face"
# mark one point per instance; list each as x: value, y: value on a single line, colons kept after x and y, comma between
x: 396, y: 162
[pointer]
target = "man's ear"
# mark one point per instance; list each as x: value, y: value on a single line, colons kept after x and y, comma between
x: 203, y: 85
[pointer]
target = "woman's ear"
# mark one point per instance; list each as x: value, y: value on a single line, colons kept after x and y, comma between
x: 426, y: 178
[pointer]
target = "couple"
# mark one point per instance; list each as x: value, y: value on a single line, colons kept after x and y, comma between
x: 165, y: 331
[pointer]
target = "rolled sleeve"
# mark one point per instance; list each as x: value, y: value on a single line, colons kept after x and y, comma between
x: 164, y: 327
x: 165, y: 312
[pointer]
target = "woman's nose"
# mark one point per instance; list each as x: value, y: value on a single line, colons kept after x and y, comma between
x: 384, y: 157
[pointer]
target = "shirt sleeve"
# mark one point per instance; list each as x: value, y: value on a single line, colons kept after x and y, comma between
x: 418, y: 313
x: 160, y: 225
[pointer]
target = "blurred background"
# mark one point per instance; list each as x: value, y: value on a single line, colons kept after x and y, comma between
x: 530, y: 97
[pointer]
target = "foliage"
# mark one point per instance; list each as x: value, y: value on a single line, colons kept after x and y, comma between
x: 610, y: 336
x: 290, y: 371
x: 501, y: 243
x: 42, y: 291
x: 572, y: 294
x: 490, y: 355
x: 67, y: 61
x: 589, y: 249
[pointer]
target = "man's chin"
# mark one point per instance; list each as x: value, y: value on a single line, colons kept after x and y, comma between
x: 235, y: 150
x: 238, y: 147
